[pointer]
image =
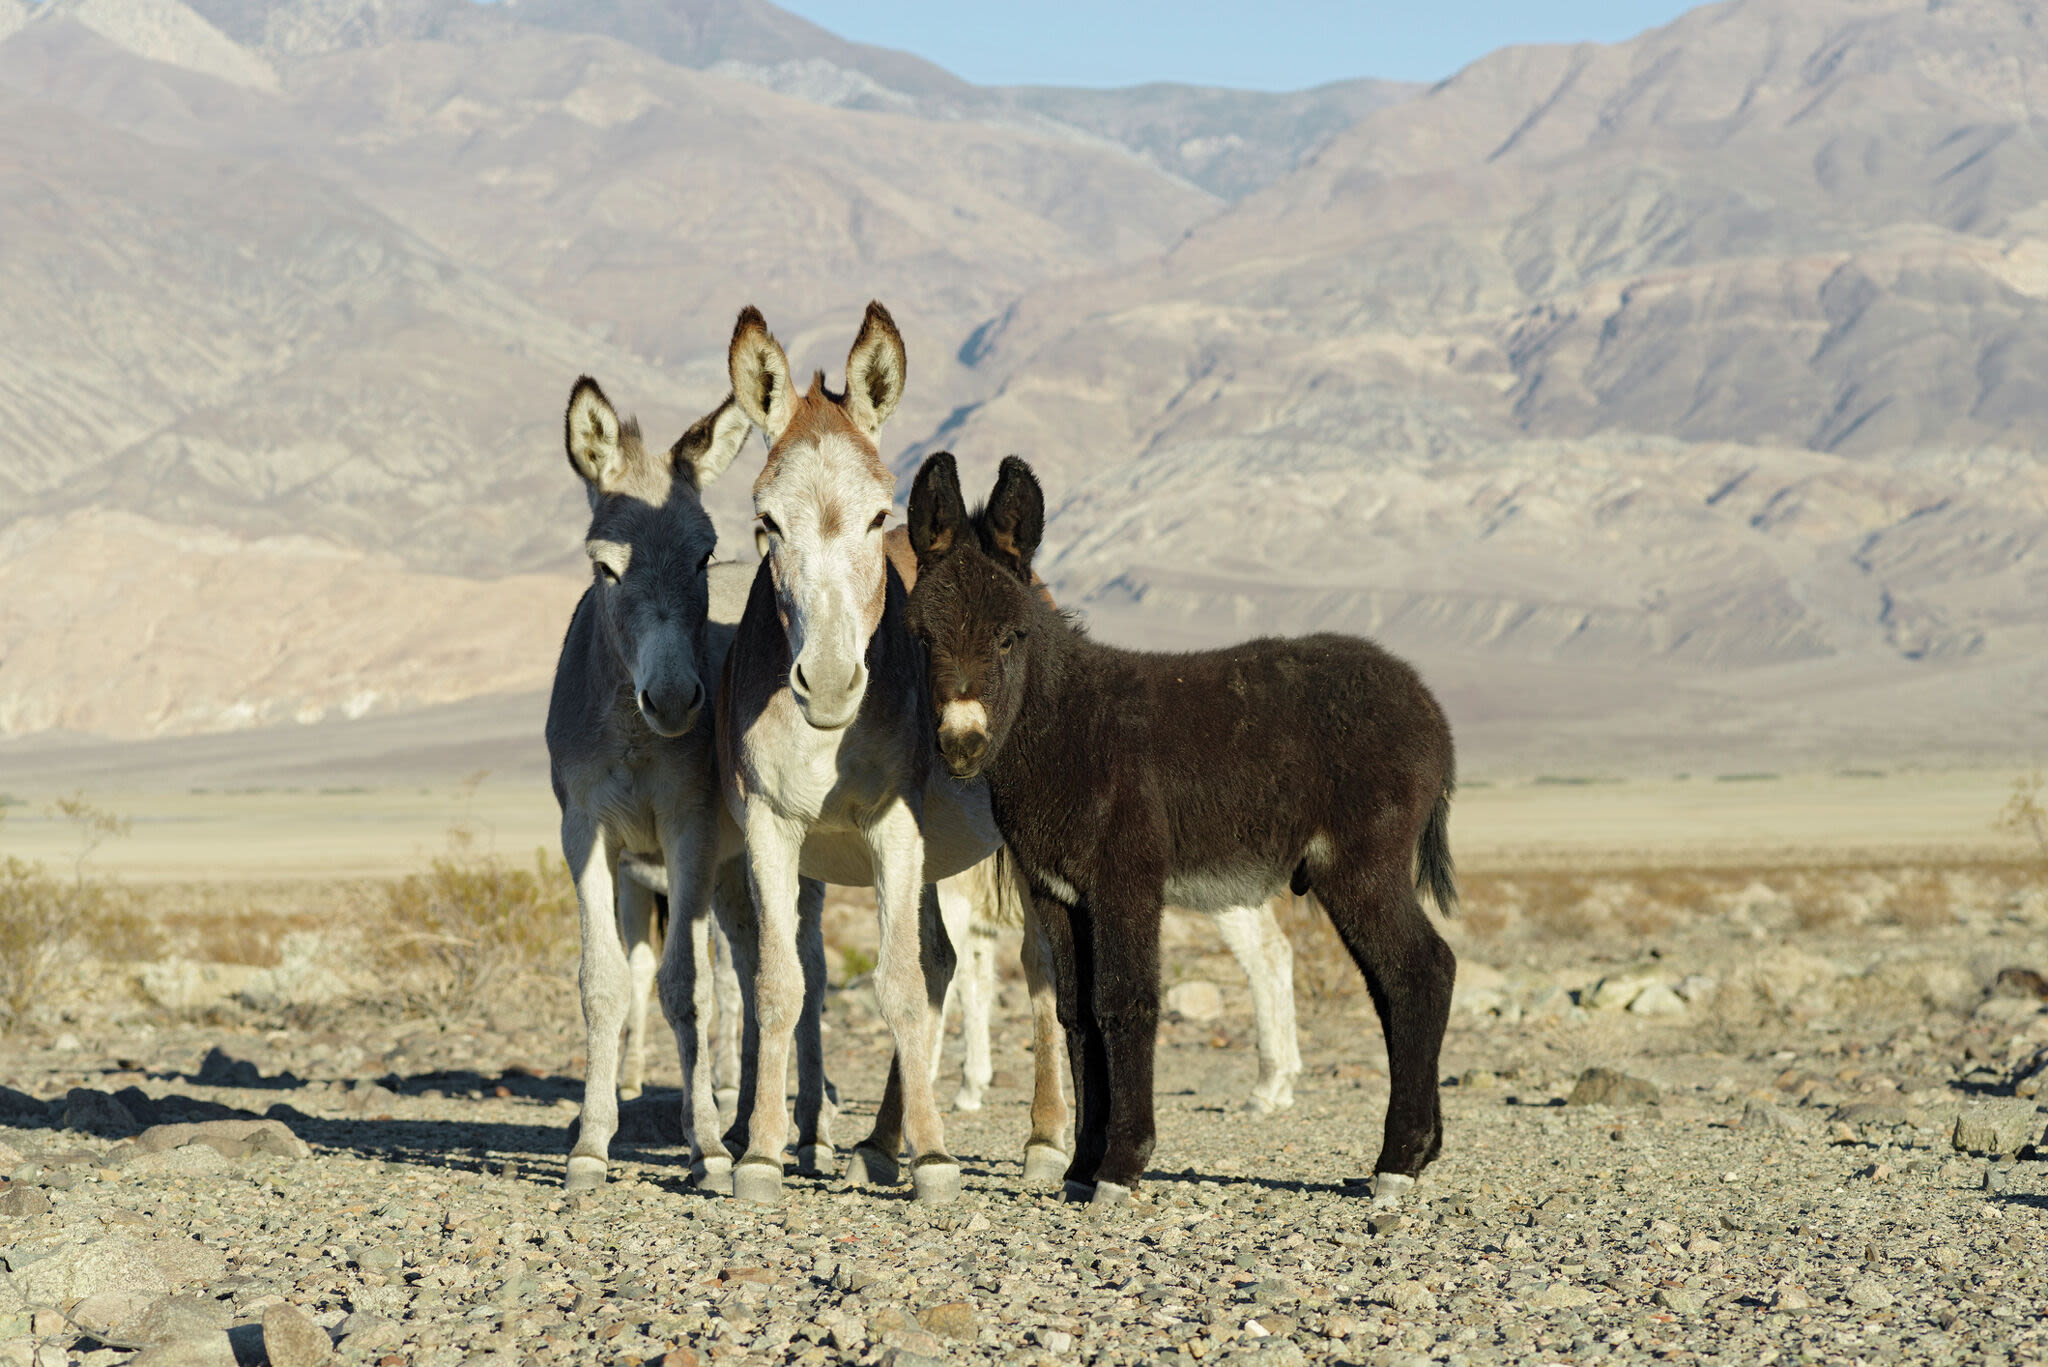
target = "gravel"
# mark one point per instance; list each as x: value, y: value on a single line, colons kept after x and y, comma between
x: 1813, y: 1183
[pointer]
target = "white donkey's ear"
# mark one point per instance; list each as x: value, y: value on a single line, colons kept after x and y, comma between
x: 760, y: 374
x: 590, y: 430
x: 875, y: 371
x: 702, y: 453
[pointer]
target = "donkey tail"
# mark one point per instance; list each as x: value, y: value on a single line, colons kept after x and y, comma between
x: 1433, y: 857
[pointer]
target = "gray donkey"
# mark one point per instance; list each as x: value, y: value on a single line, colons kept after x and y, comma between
x: 636, y: 775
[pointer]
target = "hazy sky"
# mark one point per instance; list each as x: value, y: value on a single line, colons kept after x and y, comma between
x: 1273, y: 45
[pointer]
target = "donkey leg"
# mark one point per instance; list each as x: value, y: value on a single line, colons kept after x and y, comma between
x: 773, y: 847
x: 1241, y: 930
x: 637, y: 917
x: 911, y: 989
x: 814, y: 1109
x: 973, y: 976
x: 733, y: 900
x: 1280, y: 959
x: 1125, y: 994
x: 1045, y: 1155
x: 1409, y: 971
x: 732, y: 1012
x: 1072, y: 956
x: 686, y: 984
x: 604, y: 982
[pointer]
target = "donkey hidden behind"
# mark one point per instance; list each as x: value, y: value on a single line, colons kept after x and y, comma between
x: 1123, y: 780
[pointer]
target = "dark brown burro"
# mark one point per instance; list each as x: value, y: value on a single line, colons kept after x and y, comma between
x: 1124, y: 780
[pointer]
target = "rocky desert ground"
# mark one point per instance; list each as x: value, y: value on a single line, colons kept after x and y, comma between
x: 1782, y: 1107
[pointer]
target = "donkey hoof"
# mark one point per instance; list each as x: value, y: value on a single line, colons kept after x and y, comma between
x: 585, y: 1173
x: 629, y: 1092
x: 1044, y: 1166
x: 1110, y: 1196
x: 1259, y: 1105
x: 816, y: 1160
x: 712, y: 1175
x: 758, y: 1181
x: 1083, y: 1192
x: 871, y: 1168
x: 1388, y: 1189
x: 935, y: 1180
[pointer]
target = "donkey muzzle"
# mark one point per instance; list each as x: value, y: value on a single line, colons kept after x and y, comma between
x: 963, y: 736
x: 672, y: 712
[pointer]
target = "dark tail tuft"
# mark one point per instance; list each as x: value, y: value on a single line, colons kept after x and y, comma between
x: 1433, y: 858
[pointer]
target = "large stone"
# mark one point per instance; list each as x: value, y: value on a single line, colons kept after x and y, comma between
x: 1615, y: 993
x: 187, y: 1261
x: 1657, y: 1000
x: 116, y: 1263
x: 1195, y: 1001
x: 171, y: 1319
x: 292, y: 1340
x: 203, y: 1350
x: 231, y: 1138
x: 1606, y: 1087
x: 952, y: 1319
x: 193, y: 1160
x: 1997, y: 1126
x: 21, y: 1200
x: 96, y: 1112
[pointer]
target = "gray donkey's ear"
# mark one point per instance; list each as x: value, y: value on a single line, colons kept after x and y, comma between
x: 590, y: 430
x: 702, y: 453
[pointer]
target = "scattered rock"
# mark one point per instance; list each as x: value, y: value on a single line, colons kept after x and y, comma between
x: 1680, y: 1301
x: 953, y: 1320
x: 1195, y: 1001
x: 1997, y: 1126
x: 192, y: 1160
x: 1657, y: 1000
x: 95, y: 1112
x: 372, y: 1098
x: 1056, y: 1341
x: 1698, y: 988
x: 22, y: 1200
x: 229, y: 1138
x: 1478, y: 1078
x: 1762, y: 1115
x: 1791, y: 1298
x: 172, y: 1319
x: 365, y: 1330
x: 1606, y: 1087
x: 204, y: 1350
x: 1618, y: 992
x: 1409, y: 1297
x: 1868, y: 1295
x: 187, y: 1261
x: 106, y: 1312
x: 115, y: 1263
x: 2021, y: 982
x: 292, y: 1340
x: 1560, y: 1295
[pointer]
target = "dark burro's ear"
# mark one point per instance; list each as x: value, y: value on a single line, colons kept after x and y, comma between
x: 702, y: 453
x: 938, y: 515
x: 1015, y: 519
x: 591, y: 432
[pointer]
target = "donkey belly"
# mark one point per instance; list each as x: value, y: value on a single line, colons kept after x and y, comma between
x: 1223, y: 886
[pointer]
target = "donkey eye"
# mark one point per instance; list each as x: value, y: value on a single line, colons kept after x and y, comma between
x: 880, y: 518
x: 705, y: 563
x: 607, y: 573
x: 768, y: 525
x: 1009, y: 639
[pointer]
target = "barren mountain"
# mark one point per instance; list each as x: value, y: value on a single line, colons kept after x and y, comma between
x: 1699, y: 380
x: 1675, y: 402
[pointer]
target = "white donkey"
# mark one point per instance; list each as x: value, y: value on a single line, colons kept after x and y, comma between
x: 826, y: 742
x: 637, y: 778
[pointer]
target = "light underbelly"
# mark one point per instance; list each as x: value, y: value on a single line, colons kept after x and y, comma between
x: 1221, y: 887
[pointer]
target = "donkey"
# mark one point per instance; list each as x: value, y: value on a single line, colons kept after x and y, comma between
x: 825, y: 743
x: 1123, y: 780
x: 636, y: 777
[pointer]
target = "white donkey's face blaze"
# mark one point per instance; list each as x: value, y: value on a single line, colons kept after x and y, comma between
x: 649, y: 543
x: 823, y: 498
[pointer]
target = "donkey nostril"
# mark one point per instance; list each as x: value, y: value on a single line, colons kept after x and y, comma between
x: 646, y: 701
x: 801, y: 681
x: 697, y: 697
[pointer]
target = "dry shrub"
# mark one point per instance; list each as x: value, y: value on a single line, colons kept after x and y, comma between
x: 49, y: 926
x: 242, y: 935
x: 1560, y: 906
x: 1919, y: 899
x: 474, y: 927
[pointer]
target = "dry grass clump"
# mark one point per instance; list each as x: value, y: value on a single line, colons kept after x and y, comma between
x: 237, y: 935
x: 473, y: 927
x: 48, y: 926
x: 1919, y: 899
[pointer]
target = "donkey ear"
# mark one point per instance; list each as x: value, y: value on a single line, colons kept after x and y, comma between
x: 760, y: 374
x: 702, y: 453
x: 1015, y: 519
x: 938, y: 515
x: 590, y: 430
x: 874, y: 371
